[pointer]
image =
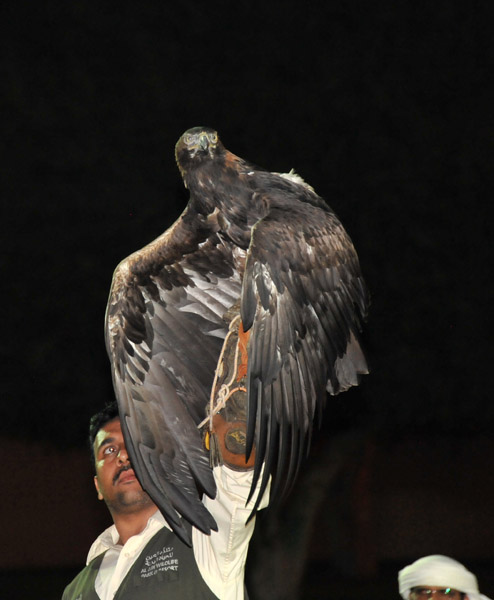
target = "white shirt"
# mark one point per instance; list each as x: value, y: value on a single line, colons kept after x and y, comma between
x: 220, y: 556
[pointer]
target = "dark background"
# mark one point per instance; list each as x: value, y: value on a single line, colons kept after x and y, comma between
x: 385, y: 108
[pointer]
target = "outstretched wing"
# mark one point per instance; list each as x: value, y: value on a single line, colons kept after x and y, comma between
x: 303, y: 299
x: 164, y: 332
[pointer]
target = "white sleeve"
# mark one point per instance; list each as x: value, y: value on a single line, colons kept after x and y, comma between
x: 221, y: 556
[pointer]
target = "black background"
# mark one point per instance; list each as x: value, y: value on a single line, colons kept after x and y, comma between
x: 385, y: 108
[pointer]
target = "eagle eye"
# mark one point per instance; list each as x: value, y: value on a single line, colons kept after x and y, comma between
x: 189, y: 138
x: 213, y: 137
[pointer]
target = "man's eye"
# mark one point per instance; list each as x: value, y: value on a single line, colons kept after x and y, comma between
x: 110, y: 450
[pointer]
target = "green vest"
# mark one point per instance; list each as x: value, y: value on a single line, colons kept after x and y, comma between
x: 165, y: 569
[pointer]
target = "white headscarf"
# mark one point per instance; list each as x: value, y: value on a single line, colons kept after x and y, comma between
x: 440, y: 571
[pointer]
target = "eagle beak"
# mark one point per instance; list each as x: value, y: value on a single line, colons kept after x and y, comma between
x: 203, y: 142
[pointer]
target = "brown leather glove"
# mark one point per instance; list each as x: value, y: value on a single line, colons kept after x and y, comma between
x: 226, y: 437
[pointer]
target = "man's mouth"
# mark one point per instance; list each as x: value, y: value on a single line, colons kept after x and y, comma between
x: 124, y: 475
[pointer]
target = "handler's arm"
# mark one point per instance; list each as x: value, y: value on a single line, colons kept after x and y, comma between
x: 221, y: 556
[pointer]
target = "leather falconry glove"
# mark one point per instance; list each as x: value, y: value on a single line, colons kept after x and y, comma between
x: 225, y: 431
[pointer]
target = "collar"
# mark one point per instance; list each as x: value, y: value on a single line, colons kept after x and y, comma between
x: 109, y: 538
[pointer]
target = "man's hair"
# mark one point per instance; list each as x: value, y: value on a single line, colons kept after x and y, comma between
x: 99, y: 420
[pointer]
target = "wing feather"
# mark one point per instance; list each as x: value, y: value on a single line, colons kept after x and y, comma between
x: 164, y: 332
x: 305, y: 299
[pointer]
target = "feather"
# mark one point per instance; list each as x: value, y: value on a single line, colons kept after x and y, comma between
x: 252, y: 243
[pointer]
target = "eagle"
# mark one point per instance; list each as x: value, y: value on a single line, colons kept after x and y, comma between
x: 252, y: 245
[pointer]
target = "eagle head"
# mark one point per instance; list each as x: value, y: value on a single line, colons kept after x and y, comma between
x: 195, y: 146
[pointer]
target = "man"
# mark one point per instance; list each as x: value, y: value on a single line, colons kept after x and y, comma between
x: 139, y: 556
x: 439, y: 578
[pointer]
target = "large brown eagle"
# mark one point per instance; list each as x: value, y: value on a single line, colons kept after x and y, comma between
x: 252, y: 243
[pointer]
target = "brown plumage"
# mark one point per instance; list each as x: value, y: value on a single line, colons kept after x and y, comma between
x: 267, y: 245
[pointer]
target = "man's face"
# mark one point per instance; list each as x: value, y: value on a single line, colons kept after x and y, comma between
x: 115, y: 479
x: 436, y: 593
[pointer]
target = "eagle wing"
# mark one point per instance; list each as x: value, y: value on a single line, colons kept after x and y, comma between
x: 164, y: 333
x: 303, y: 299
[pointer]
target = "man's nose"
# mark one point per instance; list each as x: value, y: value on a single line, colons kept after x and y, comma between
x: 123, y: 457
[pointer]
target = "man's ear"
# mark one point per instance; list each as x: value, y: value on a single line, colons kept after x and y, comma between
x: 100, y: 495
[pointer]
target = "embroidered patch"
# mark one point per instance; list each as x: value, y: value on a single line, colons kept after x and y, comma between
x: 159, y: 562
